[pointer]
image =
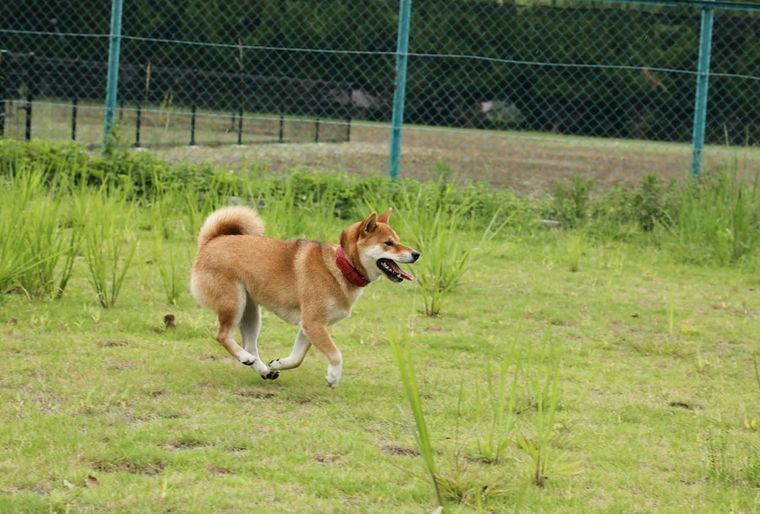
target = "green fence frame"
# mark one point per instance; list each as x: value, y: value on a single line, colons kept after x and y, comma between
x: 703, y: 72
x: 406, y: 27
x: 114, y: 51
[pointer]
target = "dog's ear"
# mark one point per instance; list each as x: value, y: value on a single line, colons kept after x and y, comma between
x: 369, y: 223
x: 383, y: 218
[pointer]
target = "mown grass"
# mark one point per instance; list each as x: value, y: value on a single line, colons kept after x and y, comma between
x: 632, y: 363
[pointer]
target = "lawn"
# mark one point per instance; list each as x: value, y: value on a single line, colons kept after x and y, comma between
x: 633, y: 371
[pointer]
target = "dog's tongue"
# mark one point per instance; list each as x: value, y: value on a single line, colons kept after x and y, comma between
x: 403, y: 274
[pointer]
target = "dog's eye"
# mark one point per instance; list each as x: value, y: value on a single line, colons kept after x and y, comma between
x: 389, y: 243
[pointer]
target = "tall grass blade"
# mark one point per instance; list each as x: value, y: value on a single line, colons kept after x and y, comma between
x: 503, y: 403
x: 109, y: 244
x: 398, y: 340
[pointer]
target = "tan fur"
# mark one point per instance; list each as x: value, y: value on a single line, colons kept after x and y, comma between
x: 238, y: 270
x: 230, y: 221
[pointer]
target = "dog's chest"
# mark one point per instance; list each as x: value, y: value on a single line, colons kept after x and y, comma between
x: 336, y: 312
x: 352, y: 295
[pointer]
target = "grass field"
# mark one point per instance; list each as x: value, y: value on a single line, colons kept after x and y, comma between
x: 658, y: 401
x: 567, y: 372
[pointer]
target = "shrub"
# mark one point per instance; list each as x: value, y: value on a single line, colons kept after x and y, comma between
x: 648, y: 204
x: 571, y: 204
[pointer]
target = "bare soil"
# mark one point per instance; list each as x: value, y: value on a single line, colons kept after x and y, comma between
x: 529, y: 163
x: 526, y: 163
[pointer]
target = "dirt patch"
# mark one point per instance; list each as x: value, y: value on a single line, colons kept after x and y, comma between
x: 120, y: 365
x: 149, y: 468
x: 253, y: 393
x: 397, y: 450
x: 523, y: 162
x: 217, y: 470
x: 185, y: 444
x: 112, y: 344
x: 213, y: 357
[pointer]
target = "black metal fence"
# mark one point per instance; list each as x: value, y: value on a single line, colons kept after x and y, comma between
x: 323, y: 108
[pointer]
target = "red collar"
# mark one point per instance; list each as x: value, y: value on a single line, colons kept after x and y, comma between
x: 349, y: 271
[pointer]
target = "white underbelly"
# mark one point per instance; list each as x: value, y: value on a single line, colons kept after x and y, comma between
x: 289, y: 314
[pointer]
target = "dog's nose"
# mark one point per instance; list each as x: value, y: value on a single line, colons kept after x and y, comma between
x: 415, y: 255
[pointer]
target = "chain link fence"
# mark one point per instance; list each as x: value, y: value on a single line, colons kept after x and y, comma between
x: 512, y: 93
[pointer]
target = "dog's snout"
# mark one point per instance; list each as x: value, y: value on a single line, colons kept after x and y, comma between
x: 415, y: 255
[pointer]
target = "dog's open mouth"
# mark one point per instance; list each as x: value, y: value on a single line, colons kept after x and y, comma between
x: 392, y: 271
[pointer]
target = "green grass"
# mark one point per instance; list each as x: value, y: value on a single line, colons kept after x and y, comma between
x: 634, y: 370
x: 164, y: 419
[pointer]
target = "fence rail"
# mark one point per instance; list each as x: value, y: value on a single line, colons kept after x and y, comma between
x: 490, y: 86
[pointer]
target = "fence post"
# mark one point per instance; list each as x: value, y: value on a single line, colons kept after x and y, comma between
x: 138, y: 125
x: 74, y: 119
x: 402, y: 55
x: 3, y: 90
x: 28, y: 109
x: 192, y: 125
x: 240, y: 127
x: 114, y: 49
x: 700, y: 102
x: 349, y: 109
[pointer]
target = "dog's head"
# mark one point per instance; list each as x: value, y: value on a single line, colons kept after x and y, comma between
x: 374, y: 249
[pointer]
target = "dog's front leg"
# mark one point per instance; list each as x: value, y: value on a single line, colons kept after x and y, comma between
x: 319, y: 337
x: 297, y: 354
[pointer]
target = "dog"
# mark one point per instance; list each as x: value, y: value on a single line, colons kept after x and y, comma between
x: 307, y: 283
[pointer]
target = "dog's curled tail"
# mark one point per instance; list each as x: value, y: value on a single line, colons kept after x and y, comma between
x: 229, y: 221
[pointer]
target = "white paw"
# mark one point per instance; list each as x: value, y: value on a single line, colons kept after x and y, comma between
x: 270, y: 374
x: 247, y: 359
x: 275, y: 364
x: 333, y: 375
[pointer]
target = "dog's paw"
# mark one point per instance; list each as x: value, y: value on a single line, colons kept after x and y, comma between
x: 271, y: 375
x: 334, y: 372
x: 332, y: 380
x: 274, y: 364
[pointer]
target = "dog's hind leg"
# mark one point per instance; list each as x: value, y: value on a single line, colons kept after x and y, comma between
x: 250, y: 326
x: 230, y: 312
x: 297, y: 354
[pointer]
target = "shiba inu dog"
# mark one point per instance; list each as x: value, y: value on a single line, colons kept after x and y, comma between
x: 310, y: 284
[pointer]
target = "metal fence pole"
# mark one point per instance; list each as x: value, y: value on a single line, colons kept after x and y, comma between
x: 402, y: 55
x: 3, y: 90
x: 138, y: 125
x: 700, y: 102
x: 192, y: 125
x: 240, y: 127
x: 28, y: 109
x: 74, y: 118
x: 114, y: 49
